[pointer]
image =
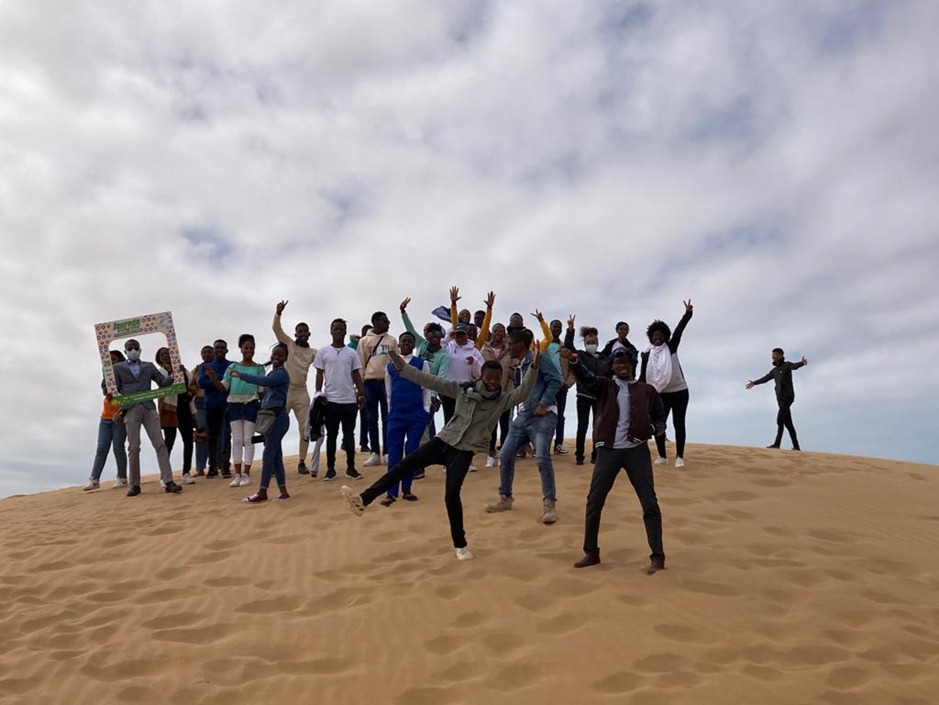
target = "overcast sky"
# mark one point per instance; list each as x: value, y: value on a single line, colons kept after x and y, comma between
x: 776, y: 162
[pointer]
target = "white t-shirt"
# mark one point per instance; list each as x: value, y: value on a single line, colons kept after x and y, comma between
x: 337, y: 365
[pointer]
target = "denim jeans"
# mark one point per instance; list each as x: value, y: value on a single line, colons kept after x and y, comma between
x: 272, y: 464
x: 539, y: 430
x: 376, y: 401
x: 110, y: 435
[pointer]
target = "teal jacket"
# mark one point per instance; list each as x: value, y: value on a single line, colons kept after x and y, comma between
x: 477, y: 411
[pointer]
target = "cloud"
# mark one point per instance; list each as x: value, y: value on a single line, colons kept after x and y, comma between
x: 775, y: 164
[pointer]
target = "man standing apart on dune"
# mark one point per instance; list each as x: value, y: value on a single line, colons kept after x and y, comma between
x: 136, y: 376
x: 781, y: 374
x: 299, y: 358
x: 629, y: 413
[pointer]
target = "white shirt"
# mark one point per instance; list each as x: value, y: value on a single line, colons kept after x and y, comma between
x: 621, y: 437
x: 460, y: 370
x: 337, y: 365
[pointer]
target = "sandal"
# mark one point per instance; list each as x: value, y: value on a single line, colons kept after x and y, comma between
x: 387, y: 501
x: 407, y: 496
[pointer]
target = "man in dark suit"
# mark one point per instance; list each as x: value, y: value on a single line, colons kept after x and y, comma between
x: 135, y: 376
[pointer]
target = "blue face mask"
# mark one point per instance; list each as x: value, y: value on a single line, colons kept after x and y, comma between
x: 133, y: 355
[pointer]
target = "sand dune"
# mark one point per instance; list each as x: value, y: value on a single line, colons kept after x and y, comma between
x: 792, y: 578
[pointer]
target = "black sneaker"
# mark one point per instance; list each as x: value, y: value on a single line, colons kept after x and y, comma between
x: 579, y: 461
x: 419, y: 475
x: 171, y: 487
x: 560, y: 450
x: 301, y: 469
x: 330, y: 475
x: 133, y: 491
x: 354, y: 474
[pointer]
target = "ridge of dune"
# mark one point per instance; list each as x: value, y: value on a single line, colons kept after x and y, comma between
x: 792, y: 578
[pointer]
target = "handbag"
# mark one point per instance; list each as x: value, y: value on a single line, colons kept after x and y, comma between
x: 265, y: 421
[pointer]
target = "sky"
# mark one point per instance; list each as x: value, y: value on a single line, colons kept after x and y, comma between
x: 775, y: 162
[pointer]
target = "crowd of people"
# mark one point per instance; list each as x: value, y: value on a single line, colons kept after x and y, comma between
x: 503, y: 396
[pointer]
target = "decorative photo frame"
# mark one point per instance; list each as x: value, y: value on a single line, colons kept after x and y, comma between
x: 110, y: 331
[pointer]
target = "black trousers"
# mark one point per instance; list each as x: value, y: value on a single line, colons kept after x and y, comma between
x: 638, y: 465
x: 585, y: 405
x: 449, y: 406
x: 434, y: 452
x: 340, y: 415
x: 184, y: 414
x: 784, y: 420
x: 561, y: 401
x: 215, y: 439
x: 675, y: 403
x: 504, y: 420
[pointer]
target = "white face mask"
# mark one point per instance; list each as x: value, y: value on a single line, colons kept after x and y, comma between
x: 133, y: 355
x: 590, y: 347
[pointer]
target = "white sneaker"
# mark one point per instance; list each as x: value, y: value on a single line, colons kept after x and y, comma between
x: 245, y: 480
x: 472, y: 468
x: 236, y: 480
x: 463, y: 554
x: 162, y: 483
x: 679, y: 463
x: 373, y: 460
x: 490, y: 462
x: 384, y: 460
x: 92, y: 486
x: 354, y: 500
x: 119, y: 483
x: 660, y: 461
x: 187, y: 479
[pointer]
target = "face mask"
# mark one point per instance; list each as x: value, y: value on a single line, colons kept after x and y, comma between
x: 590, y: 347
x: 133, y: 355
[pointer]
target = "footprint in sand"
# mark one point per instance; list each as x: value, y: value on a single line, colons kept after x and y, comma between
x: 769, y: 482
x: 501, y: 642
x: 681, y: 633
x: 172, y: 573
x: 461, y: 672
x: 666, y: 662
x: 736, y: 496
x: 450, y: 591
x: 172, y: 621
x: 428, y: 696
x: 618, y: 683
x: 533, y: 602
x: 845, y: 677
x: 444, y: 644
x: 564, y: 624
x: 274, y: 605
x: 226, y: 581
x: 517, y: 675
x: 707, y: 588
x: 469, y: 620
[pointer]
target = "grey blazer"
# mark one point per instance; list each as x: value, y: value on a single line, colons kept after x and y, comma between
x: 128, y: 384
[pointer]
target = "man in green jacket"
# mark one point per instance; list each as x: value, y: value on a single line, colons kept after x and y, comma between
x: 478, y: 408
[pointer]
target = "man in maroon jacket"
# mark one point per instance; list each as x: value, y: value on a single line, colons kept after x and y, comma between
x: 629, y: 413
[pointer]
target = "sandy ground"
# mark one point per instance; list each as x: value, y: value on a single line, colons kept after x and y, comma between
x: 792, y: 578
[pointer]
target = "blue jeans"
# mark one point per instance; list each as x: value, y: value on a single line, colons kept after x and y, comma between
x: 110, y: 435
x: 376, y: 400
x: 273, y: 461
x: 539, y: 430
